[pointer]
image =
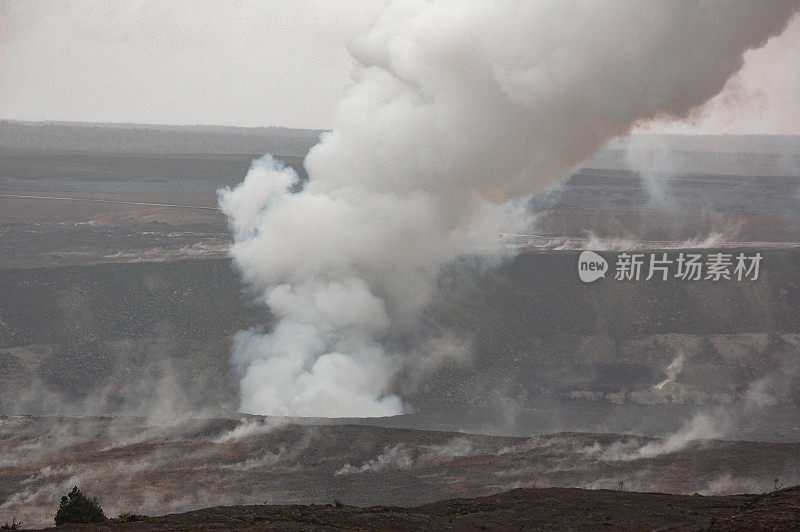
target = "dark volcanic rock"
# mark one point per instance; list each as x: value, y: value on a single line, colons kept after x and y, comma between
x: 521, y: 509
x: 775, y: 511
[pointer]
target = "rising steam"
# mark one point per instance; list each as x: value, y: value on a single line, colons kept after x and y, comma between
x: 458, y: 110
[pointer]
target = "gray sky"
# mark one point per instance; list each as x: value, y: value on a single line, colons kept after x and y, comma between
x: 271, y: 62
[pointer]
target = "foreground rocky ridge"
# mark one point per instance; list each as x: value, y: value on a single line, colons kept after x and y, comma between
x: 520, y: 509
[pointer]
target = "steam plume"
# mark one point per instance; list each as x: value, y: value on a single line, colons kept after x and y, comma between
x: 458, y: 108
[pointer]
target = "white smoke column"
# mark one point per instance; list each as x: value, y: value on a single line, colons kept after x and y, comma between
x: 653, y: 159
x: 457, y: 107
x: 397, y: 457
x: 700, y: 427
x: 673, y: 370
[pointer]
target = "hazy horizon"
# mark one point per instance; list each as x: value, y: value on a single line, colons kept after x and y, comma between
x: 642, y: 131
x: 269, y: 64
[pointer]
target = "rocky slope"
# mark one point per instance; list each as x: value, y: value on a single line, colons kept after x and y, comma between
x: 520, y: 509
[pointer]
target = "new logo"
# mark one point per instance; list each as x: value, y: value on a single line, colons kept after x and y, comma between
x: 591, y: 266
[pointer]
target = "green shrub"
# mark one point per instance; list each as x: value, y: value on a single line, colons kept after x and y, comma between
x: 128, y: 517
x: 77, y: 507
x: 13, y: 526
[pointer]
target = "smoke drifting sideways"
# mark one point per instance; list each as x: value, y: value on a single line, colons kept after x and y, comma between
x: 458, y: 111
